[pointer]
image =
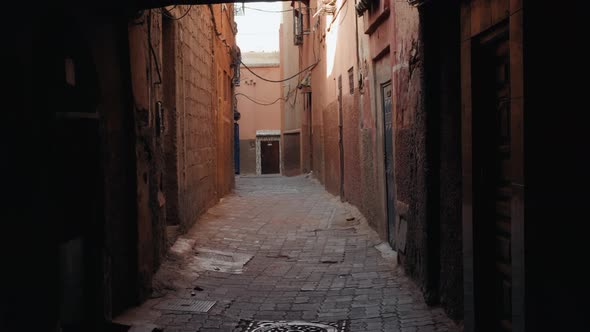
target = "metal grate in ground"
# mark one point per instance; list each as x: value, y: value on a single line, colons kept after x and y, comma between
x: 282, y: 326
x: 185, y: 305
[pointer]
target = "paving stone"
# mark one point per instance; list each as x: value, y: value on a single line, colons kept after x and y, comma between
x: 307, y: 263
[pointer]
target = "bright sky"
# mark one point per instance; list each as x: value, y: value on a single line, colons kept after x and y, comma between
x: 258, y: 30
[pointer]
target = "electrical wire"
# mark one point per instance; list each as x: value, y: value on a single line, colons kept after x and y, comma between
x: 278, y: 81
x: 259, y: 102
x: 165, y: 10
x: 336, y: 15
x: 168, y: 15
x: 268, y: 11
x: 286, y: 98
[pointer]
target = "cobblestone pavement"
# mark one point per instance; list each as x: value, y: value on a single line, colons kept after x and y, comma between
x: 308, y: 257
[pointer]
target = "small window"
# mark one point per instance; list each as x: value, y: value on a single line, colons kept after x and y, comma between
x: 297, y: 27
x: 351, y: 80
x: 301, y: 21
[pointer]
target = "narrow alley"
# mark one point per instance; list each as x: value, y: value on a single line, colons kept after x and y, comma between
x: 305, y: 165
x: 283, y: 249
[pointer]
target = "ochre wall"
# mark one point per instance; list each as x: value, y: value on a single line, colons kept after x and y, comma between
x: 255, y: 116
x: 201, y: 123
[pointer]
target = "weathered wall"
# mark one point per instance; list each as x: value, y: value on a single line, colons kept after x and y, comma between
x: 111, y: 58
x: 426, y: 142
x: 341, y: 51
x: 335, y: 45
x: 171, y: 68
x: 151, y: 233
x: 351, y: 135
x: 376, y: 68
x: 194, y: 134
x: 414, y: 158
x: 290, y: 64
x: 255, y: 116
x: 103, y: 183
x: 248, y: 156
x: 293, y: 118
x: 440, y: 29
x: 291, y: 153
x: 371, y: 159
x: 200, y: 106
x: 224, y: 56
x: 331, y: 148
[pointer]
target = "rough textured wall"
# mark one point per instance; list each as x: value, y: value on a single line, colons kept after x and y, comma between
x: 170, y: 68
x: 291, y: 64
x: 112, y: 62
x: 331, y: 148
x: 149, y: 152
x: 411, y: 163
x: 291, y: 154
x: 318, y: 131
x: 305, y: 153
x: 198, y: 165
x: 317, y: 149
x: 200, y: 132
x: 375, y: 67
x: 370, y: 202
x: 248, y: 156
x: 441, y: 28
x: 224, y: 41
x: 351, y: 136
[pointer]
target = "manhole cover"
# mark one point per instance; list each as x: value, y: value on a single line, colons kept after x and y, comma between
x: 293, y: 326
x: 185, y: 305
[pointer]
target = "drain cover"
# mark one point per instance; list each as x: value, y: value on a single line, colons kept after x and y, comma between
x: 185, y: 305
x: 292, y: 326
x: 219, y: 261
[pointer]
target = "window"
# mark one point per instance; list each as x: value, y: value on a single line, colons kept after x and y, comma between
x: 297, y: 27
x: 301, y: 22
x: 351, y: 80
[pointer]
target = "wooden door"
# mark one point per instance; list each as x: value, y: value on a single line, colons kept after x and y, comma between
x: 492, y: 162
x: 269, y: 157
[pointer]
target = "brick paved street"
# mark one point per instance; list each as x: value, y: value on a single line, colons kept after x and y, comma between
x: 307, y: 257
